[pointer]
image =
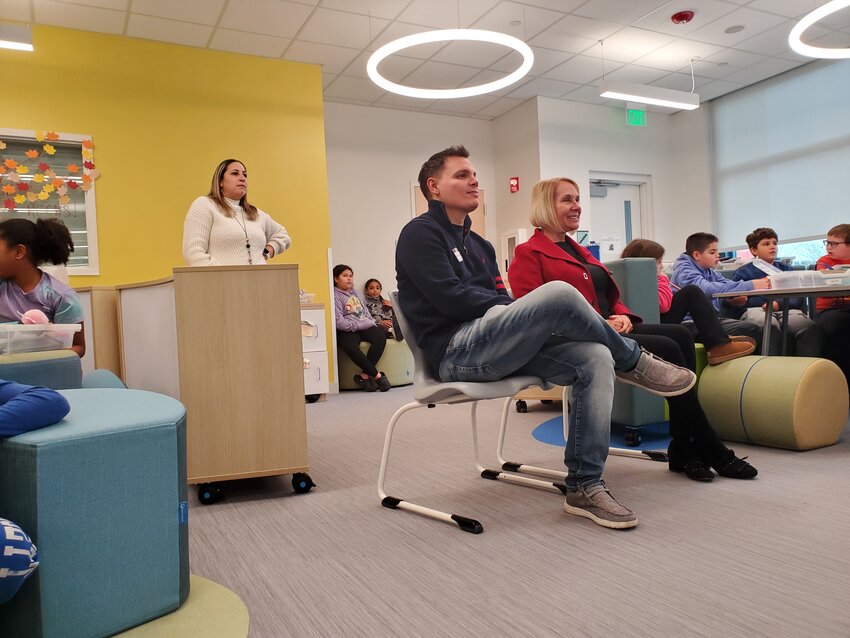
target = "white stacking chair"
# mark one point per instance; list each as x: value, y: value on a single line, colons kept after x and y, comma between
x: 428, y: 392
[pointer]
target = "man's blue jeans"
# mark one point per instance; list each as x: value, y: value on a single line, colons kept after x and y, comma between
x: 555, y: 334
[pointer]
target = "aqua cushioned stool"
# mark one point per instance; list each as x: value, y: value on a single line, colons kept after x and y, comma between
x: 56, y: 369
x: 795, y: 403
x: 396, y: 362
x: 102, y: 494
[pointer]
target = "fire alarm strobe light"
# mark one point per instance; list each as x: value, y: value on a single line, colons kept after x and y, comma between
x: 683, y: 17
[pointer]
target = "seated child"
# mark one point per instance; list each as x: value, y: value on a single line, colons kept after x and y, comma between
x: 24, y: 246
x: 833, y: 313
x: 22, y: 408
x: 696, y: 267
x: 763, y: 243
x: 381, y: 309
x: 690, y: 300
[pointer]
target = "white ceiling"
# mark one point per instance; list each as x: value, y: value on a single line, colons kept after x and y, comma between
x: 641, y: 44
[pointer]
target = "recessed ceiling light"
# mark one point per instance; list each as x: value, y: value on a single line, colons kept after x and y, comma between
x: 734, y: 29
x: 516, y: 23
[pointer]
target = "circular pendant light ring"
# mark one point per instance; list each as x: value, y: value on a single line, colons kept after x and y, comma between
x: 446, y: 35
x: 795, y: 37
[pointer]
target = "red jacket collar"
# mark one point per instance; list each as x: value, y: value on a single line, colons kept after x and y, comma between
x: 542, y: 244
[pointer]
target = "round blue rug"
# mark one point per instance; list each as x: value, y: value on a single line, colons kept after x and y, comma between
x: 654, y: 436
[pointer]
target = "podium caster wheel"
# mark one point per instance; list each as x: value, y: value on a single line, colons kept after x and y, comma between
x: 521, y: 406
x: 312, y: 398
x: 632, y: 439
x: 302, y: 483
x: 546, y: 401
x: 209, y: 493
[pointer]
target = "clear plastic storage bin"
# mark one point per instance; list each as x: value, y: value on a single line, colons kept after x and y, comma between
x: 796, y: 279
x: 16, y: 337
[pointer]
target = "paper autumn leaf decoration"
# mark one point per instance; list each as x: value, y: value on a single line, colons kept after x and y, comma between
x: 86, y: 187
x: 31, y: 196
x: 32, y: 153
x: 64, y: 199
x: 10, y: 163
x: 9, y: 203
x: 94, y: 174
x: 73, y: 168
x: 8, y: 189
x: 23, y: 187
x: 72, y: 184
x: 52, y: 136
x: 86, y: 179
x: 87, y: 154
x: 62, y: 191
x: 20, y: 168
x: 88, y: 164
x: 88, y: 144
x: 39, y: 136
x: 57, y: 182
x: 13, y: 177
x: 2, y: 146
x: 49, y: 149
x: 38, y: 177
x: 48, y: 188
x: 43, y: 195
x: 43, y: 167
x: 20, y: 199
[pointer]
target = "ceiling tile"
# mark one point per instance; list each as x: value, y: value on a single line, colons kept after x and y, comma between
x: 544, y: 59
x: 463, y: 106
x: 395, y: 68
x: 118, y: 5
x: 754, y: 22
x: 248, y: 43
x: 544, y: 87
x: 354, y: 88
x: 761, y: 71
x: 500, y: 107
x: 327, y: 78
x: 556, y: 5
x: 838, y: 20
x: 586, y: 94
x: 398, y: 30
x: 636, y: 74
x: 444, y: 14
x: 681, y: 82
x: 834, y: 40
x: 574, y: 34
x: 338, y: 28
x: 532, y: 20
x: 333, y: 59
x: 269, y: 17
x: 678, y: 54
x: 489, y: 75
x: 477, y: 54
x: 438, y: 75
x: 198, y: 11
x: 775, y: 41
x: 17, y: 10
x: 705, y: 11
x: 618, y: 11
x: 716, y: 88
x: 629, y: 44
x: 376, y: 8
x: 74, y: 16
x: 581, y: 69
x: 194, y: 35
x: 787, y: 8
x: 395, y: 100
x: 706, y: 69
x: 733, y: 57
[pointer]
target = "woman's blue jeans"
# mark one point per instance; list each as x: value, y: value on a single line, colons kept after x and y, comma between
x: 555, y: 334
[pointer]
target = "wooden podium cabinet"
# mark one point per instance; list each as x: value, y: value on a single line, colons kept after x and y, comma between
x: 241, y: 374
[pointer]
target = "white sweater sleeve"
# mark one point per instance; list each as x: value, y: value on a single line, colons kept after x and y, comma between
x: 196, y: 233
x: 276, y: 235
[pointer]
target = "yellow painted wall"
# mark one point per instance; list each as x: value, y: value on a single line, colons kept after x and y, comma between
x: 162, y: 117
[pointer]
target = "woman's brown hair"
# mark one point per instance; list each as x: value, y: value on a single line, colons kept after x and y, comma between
x: 218, y: 198
x: 643, y: 248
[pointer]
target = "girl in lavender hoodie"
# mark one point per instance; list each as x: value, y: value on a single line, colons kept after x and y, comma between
x: 354, y: 324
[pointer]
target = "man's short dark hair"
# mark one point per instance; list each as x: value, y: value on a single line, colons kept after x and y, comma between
x: 759, y: 235
x: 842, y: 230
x: 434, y: 165
x: 699, y: 242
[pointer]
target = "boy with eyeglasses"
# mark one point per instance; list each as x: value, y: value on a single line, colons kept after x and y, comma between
x: 808, y: 336
x: 833, y: 313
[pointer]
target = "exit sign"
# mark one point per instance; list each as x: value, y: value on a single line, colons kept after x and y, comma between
x: 636, y: 117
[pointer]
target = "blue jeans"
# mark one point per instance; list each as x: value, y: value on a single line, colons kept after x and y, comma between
x: 555, y: 334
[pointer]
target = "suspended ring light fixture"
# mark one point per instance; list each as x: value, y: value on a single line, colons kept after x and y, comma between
x: 795, y: 37
x: 446, y: 35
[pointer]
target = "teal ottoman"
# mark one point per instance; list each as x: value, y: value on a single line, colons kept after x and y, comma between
x: 102, y: 494
x: 57, y: 369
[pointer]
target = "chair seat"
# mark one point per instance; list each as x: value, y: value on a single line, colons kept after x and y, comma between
x: 426, y: 390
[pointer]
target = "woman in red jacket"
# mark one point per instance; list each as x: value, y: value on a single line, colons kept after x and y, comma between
x: 551, y: 255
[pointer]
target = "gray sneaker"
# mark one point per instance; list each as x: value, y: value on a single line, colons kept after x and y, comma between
x: 658, y: 376
x: 596, y: 503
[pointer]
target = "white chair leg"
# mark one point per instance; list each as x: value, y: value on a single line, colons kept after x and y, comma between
x: 392, y: 502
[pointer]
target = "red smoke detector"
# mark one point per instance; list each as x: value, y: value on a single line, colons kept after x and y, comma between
x: 683, y: 17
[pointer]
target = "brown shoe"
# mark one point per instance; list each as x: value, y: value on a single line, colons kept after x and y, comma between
x: 742, y: 339
x: 729, y: 351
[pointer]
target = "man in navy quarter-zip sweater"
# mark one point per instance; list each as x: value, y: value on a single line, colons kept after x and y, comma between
x: 470, y: 329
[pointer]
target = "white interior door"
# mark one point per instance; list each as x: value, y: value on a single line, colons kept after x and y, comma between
x: 615, y: 219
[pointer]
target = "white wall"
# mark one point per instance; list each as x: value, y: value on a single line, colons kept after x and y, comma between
x: 517, y: 151
x: 373, y: 156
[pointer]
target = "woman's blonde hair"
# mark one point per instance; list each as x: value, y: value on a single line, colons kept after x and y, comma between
x: 543, y: 203
x: 218, y: 198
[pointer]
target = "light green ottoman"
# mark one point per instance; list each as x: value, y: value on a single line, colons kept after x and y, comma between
x: 794, y: 403
x: 396, y: 363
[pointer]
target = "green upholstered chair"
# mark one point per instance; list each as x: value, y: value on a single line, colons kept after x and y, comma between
x: 396, y: 363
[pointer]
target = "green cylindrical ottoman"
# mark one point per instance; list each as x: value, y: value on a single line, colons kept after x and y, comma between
x: 396, y: 363
x: 795, y: 403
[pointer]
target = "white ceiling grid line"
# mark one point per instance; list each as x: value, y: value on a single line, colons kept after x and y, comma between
x: 735, y: 43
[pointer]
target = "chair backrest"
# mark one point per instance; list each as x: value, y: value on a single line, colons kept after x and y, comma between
x: 638, y: 282
x: 422, y: 372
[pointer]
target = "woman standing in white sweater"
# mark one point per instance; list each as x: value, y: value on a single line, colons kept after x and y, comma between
x: 223, y: 229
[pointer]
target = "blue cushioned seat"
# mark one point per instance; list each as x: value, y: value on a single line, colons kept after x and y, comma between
x: 102, y: 494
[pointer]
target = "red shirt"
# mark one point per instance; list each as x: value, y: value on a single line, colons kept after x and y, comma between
x: 540, y: 260
x: 825, y: 303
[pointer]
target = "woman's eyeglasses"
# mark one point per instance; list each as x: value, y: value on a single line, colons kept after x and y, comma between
x: 833, y: 244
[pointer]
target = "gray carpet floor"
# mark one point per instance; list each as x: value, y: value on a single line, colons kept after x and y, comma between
x: 767, y: 557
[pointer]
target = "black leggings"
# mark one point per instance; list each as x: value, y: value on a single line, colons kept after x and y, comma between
x: 690, y: 430
x: 835, y: 323
x: 350, y: 344
x: 691, y: 300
